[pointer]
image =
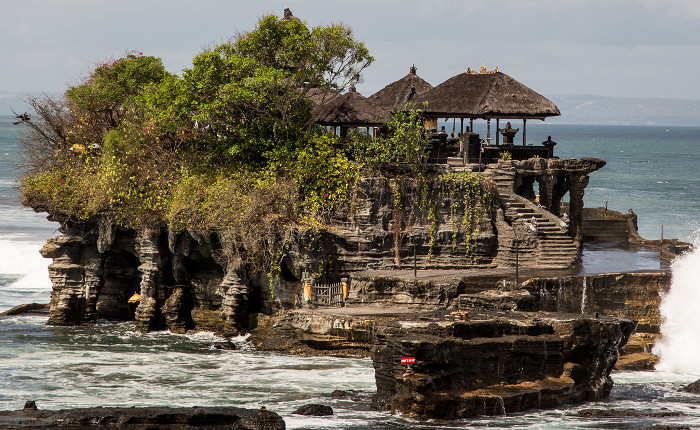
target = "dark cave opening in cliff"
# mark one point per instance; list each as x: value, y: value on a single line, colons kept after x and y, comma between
x: 121, y: 280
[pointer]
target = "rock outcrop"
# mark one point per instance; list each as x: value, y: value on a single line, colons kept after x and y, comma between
x: 209, y: 418
x: 496, y: 366
x: 487, y: 362
x: 29, y: 308
x: 629, y: 295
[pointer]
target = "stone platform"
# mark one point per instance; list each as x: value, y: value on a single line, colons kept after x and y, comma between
x: 467, y: 363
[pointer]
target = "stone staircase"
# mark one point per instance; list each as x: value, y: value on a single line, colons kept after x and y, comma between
x: 549, y: 248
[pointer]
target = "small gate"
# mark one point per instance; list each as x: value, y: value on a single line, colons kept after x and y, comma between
x: 332, y: 295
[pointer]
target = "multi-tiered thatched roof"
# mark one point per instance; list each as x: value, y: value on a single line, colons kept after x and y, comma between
x: 399, y: 94
x: 350, y: 109
x: 486, y: 95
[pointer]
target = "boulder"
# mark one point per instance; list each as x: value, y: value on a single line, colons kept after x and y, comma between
x: 29, y: 308
x: 314, y: 409
x: 692, y: 388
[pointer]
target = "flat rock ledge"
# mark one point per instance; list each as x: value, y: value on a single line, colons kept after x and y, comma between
x: 481, y: 362
x: 27, y: 309
x: 199, y: 418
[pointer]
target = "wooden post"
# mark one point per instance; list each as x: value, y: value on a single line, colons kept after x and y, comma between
x: 524, y: 132
x: 488, y: 131
x: 498, y: 138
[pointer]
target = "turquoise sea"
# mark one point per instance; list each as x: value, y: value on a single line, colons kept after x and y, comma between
x: 650, y: 169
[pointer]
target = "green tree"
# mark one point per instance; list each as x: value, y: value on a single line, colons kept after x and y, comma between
x: 237, y: 123
x: 322, y: 57
x: 406, y: 143
x: 246, y: 100
x: 108, y: 93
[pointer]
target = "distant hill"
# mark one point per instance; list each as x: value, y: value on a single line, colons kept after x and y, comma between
x: 575, y: 109
x: 592, y: 109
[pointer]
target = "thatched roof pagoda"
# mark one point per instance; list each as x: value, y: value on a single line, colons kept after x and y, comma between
x: 400, y: 93
x: 347, y: 110
x: 486, y: 95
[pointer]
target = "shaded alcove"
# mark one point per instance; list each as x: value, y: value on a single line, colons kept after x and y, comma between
x: 121, y: 280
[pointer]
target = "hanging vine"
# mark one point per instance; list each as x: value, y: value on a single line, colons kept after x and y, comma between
x: 461, y: 192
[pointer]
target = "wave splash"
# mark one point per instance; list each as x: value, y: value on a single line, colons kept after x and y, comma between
x: 679, y: 346
x: 22, y: 267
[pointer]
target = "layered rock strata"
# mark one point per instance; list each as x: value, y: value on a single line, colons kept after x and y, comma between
x: 492, y: 367
x: 185, y: 282
x: 488, y: 362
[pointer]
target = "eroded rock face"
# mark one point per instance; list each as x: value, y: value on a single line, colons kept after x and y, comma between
x: 630, y: 295
x: 465, y: 369
x: 494, y: 362
x: 184, y: 284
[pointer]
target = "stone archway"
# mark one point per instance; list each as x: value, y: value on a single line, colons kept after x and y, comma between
x: 556, y: 177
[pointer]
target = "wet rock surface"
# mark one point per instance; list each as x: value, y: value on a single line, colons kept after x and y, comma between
x: 143, y: 418
x: 693, y: 387
x: 495, y: 366
x: 625, y: 413
x: 27, y: 309
x: 491, y: 363
x: 314, y: 410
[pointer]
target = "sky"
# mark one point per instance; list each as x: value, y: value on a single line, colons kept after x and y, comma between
x: 613, y: 48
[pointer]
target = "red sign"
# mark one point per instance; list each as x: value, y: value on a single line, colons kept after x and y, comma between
x: 408, y: 360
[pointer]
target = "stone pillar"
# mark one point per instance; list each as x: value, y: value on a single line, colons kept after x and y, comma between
x: 546, y: 182
x: 234, y: 305
x: 76, y: 273
x: 559, y: 189
x: 93, y: 282
x: 577, y: 185
x: 175, y: 310
x: 148, y: 316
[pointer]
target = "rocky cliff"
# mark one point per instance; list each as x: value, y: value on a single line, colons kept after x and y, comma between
x: 186, y: 282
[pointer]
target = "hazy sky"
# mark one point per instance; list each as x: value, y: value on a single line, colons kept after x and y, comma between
x: 618, y: 48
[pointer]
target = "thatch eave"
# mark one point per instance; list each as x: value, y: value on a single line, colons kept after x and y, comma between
x: 350, y: 109
x: 487, y: 96
x: 400, y: 94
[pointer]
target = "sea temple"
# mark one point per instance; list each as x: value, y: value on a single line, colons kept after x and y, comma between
x: 462, y: 287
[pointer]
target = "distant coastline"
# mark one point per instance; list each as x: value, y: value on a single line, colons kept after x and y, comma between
x: 600, y: 110
x: 576, y: 109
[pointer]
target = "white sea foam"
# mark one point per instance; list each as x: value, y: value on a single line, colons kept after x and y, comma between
x: 22, y: 258
x: 679, y: 347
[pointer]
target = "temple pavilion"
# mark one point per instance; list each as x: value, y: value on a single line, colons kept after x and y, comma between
x: 473, y: 95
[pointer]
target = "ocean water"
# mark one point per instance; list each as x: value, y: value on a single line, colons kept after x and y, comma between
x: 650, y: 169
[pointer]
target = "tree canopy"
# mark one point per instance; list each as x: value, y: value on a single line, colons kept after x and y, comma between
x: 228, y: 145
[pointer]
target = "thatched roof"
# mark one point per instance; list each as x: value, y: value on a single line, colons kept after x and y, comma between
x: 349, y: 109
x: 320, y: 96
x: 399, y: 93
x: 486, y: 95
